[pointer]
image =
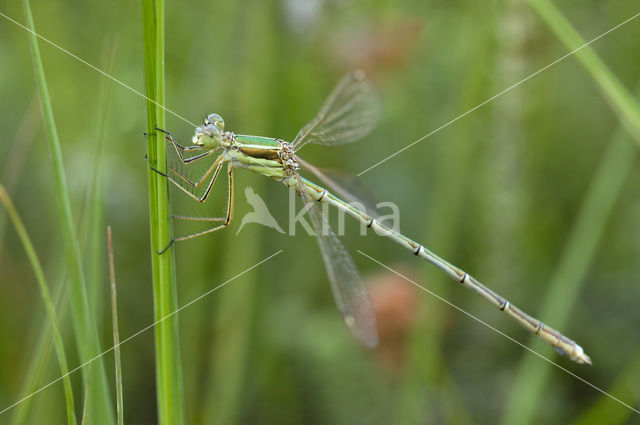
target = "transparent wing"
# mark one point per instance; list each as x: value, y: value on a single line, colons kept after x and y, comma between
x: 350, y: 112
x: 347, y: 187
x: 349, y: 291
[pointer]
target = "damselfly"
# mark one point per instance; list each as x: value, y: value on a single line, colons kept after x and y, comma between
x: 350, y: 112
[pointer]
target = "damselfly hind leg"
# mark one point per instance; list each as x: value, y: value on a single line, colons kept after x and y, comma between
x: 215, y: 168
x: 225, y: 221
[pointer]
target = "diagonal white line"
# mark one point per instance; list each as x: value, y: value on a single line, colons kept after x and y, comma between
x: 499, y: 332
x: 96, y: 69
x: 173, y: 313
x: 499, y: 94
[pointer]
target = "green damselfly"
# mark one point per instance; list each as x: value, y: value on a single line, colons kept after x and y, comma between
x: 350, y: 112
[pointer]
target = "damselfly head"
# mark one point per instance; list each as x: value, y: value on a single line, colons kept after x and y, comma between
x: 214, y: 119
x: 211, y: 133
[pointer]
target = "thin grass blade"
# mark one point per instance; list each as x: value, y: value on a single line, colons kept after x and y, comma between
x: 621, y: 100
x: 84, y: 322
x: 116, y: 333
x: 46, y: 297
x: 85, y: 406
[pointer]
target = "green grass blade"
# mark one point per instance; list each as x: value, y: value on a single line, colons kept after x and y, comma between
x: 581, y: 246
x: 116, y: 333
x: 87, y: 389
x: 95, y: 191
x: 13, y: 170
x: 46, y: 297
x: 84, y: 322
x: 620, y: 99
x: 169, y: 385
x: 39, y: 362
x: 37, y: 367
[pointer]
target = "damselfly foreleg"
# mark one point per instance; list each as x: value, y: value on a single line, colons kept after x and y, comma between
x: 180, y: 149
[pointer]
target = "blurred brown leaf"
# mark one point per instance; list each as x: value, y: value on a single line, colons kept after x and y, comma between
x: 376, y: 48
x: 395, y: 305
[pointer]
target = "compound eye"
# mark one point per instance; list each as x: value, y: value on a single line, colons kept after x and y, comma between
x: 213, y: 131
x: 215, y: 119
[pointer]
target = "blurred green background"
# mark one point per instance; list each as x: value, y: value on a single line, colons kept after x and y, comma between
x: 533, y: 193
